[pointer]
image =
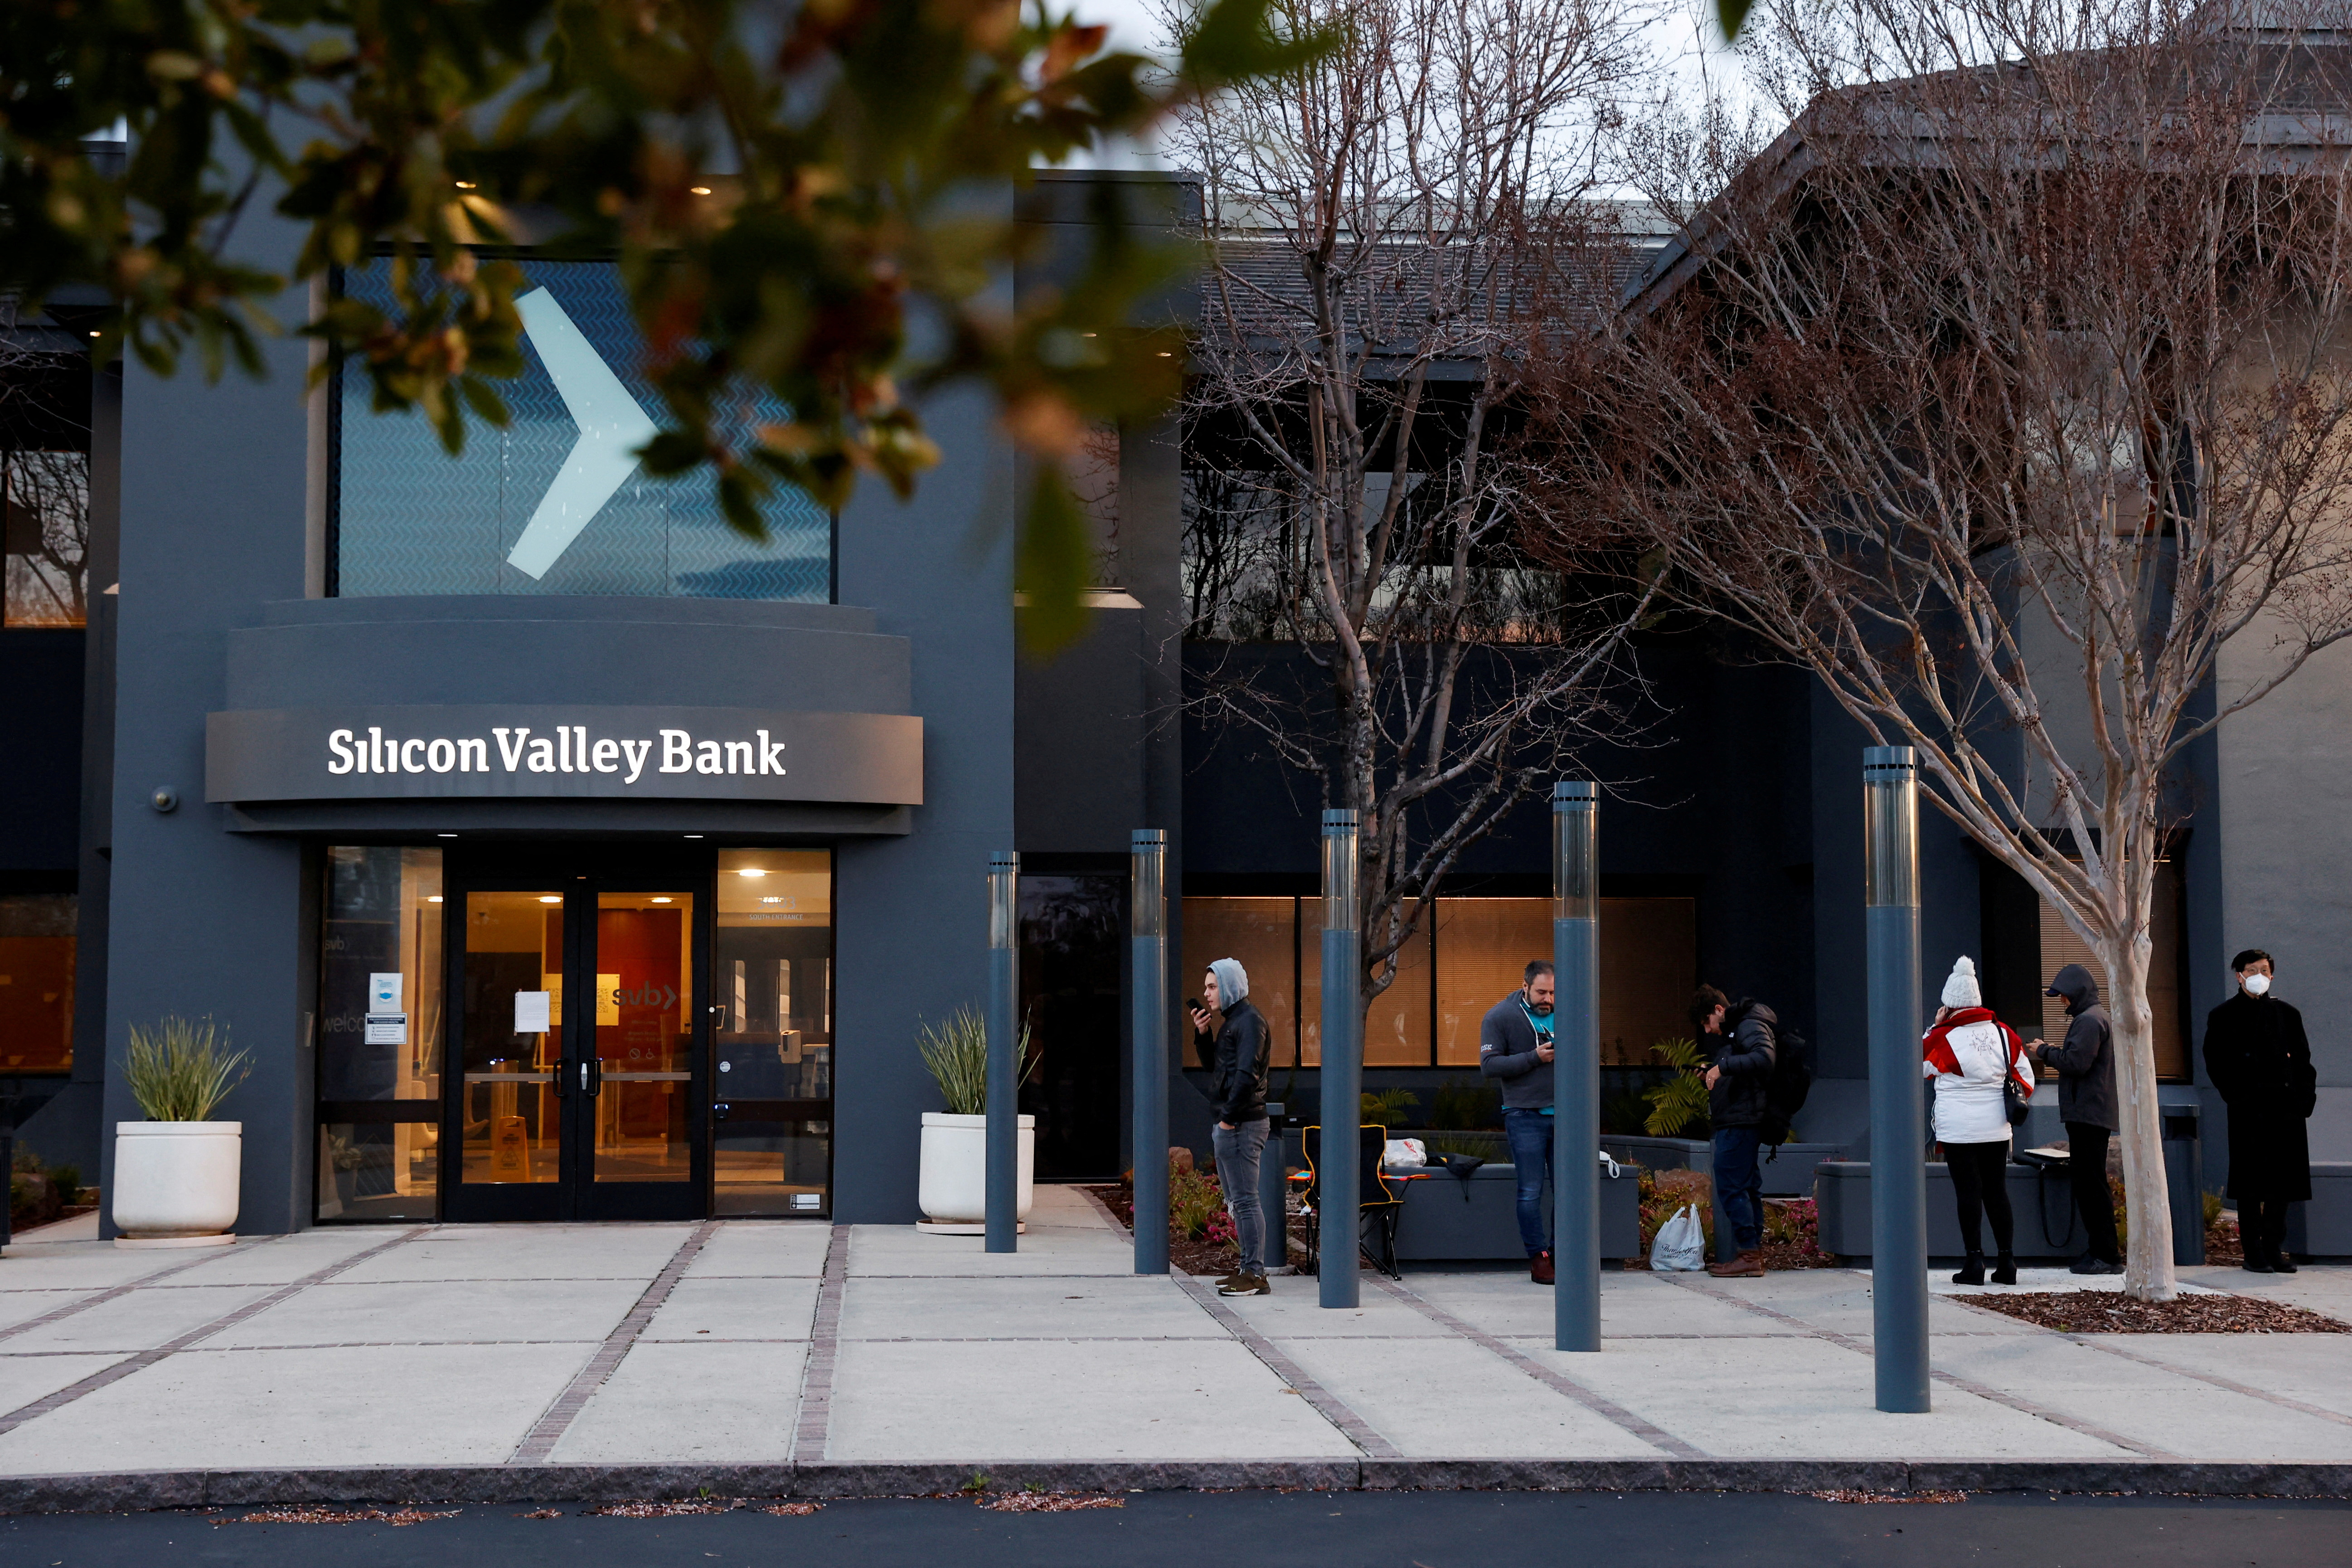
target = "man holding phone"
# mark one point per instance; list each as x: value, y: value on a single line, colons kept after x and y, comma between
x: 1515, y: 1045
x: 1239, y: 1062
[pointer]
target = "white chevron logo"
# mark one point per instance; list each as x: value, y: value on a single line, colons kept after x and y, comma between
x: 612, y: 426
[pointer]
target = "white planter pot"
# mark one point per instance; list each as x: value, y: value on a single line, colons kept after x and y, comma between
x: 953, y: 1189
x: 175, y: 1182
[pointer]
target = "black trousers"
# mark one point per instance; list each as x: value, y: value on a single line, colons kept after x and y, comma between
x: 2086, y: 1168
x: 2261, y: 1226
x: 1980, y: 1186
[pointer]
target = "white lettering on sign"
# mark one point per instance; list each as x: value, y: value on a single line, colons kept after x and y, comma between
x: 571, y: 749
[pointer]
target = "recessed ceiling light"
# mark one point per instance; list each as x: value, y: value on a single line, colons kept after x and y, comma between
x: 693, y: 836
x: 432, y: 898
x: 751, y: 872
x: 665, y: 900
x: 444, y: 836
x: 551, y: 898
x: 465, y: 185
x: 772, y: 899
x: 700, y: 190
x: 94, y: 334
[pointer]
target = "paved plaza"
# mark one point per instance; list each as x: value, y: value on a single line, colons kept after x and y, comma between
x: 776, y: 1343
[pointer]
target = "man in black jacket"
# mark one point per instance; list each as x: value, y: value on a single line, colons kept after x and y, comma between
x: 1741, y: 1042
x: 1237, y: 1082
x: 2087, y: 1104
x: 2257, y: 1057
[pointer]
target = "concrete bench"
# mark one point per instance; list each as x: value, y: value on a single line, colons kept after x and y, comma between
x: 2047, y: 1227
x: 1445, y: 1219
x: 1790, y: 1176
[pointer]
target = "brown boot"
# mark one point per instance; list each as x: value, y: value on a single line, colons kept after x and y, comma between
x: 1748, y: 1265
x: 1540, y: 1268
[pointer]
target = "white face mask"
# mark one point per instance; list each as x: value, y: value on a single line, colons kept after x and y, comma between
x: 2256, y: 984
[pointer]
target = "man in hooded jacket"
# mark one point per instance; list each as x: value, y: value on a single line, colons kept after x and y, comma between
x: 1239, y: 1066
x: 2257, y: 1058
x: 2087, y: 1104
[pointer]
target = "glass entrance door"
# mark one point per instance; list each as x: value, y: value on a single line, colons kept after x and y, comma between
x: 580, y: 1040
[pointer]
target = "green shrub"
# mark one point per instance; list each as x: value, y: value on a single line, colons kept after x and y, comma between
x: 956, y: 1052
x: 1195, y: 1201
x: 1390, y: 1107
x: 181, y: 1072
x: 66, y: 1181
x: 1680, y: 1101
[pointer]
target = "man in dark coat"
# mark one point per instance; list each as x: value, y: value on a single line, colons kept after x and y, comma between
x: 1741, y: 1040
x: 2087, y: 1104
x: 2257, y: 1058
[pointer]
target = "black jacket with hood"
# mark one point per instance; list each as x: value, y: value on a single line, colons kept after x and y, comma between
x: 1745, y: 1051
x: 1239, y: 1064
x: 2087, y: 1062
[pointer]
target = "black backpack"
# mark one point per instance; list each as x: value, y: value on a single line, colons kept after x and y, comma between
x: 1785, y: 1091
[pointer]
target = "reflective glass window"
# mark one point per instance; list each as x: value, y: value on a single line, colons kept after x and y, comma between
x: 772, y: 1032
x: 379, y: 1034
x: 37, y: 983
x: 541, y: 506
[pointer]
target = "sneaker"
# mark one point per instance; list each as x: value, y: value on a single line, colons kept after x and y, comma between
x: 1231, y: 1278
x: 2086, y: 1264
x: 1246, y: 1285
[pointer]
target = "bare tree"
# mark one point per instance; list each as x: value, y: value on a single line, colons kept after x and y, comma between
x: 1390, y: 228
x: 2004, y: 391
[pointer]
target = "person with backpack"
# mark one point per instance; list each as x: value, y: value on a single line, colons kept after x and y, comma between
x: 2087, y: 1104
x: 1741, y: 1040
x: 1514, y: 1045
x: 1976, y: 1059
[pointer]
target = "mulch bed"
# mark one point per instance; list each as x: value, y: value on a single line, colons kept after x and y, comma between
x: 1208, y: 1259
x: 2112, y: 1312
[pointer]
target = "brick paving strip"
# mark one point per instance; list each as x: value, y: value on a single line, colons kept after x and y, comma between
x: 107, y: 1376
x: 1332, y: 1409
x: 114, y: 1293
x: 814, y: 1423
x: 1950, y: 1379
x: 1559, y: 1382
x: 541, y: 1440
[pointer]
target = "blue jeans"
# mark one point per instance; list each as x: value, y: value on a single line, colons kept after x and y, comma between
x: 1737, y: 1183
x: 1530, y: 1133
x: 1237, y: 1152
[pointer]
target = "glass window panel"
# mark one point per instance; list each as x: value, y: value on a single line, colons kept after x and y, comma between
x: 1396, y: 1026
x: 47, y: 497
x: 771, y: 1040
x: 1649, y: 962
x: 1258, y: 933
x: 412, y: 519
x: 37, y: 983
x: 644, y: 1034
x: 383, y: 917
x: 510, y: 1117
x: 2061, y: 946
x: 375, y: 1171
x: 772, y: 1167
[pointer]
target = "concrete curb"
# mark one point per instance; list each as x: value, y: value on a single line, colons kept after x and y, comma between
x: 138, y: 1490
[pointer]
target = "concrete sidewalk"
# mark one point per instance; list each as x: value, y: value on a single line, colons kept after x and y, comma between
x: 774, y: 1350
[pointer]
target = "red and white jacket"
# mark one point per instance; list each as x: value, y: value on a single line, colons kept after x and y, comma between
x: 1970, y: 1055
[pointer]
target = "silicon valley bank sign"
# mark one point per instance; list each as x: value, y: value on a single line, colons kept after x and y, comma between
x: 372, y: 752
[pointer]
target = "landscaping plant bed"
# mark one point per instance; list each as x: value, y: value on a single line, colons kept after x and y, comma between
x: 2112, y: 1312
x: 1209, y: 1254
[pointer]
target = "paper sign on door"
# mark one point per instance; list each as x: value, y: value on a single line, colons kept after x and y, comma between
x: 530, y: 1012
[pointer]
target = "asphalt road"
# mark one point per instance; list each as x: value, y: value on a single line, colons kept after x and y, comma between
x: 1240, y: 1530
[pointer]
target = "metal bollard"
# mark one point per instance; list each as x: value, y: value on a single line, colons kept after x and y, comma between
x: 1898, y: 1132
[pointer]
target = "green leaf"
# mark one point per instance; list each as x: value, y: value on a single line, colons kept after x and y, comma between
x: 1232, y: 40
x: 1731, y: 14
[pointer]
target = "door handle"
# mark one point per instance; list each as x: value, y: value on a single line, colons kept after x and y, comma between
x: 591, y: 1077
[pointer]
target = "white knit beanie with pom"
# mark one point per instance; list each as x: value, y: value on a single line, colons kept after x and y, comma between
x: 1960, y: 989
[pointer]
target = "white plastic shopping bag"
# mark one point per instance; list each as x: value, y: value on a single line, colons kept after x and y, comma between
x: 1681, y: 1244
x: 1404, y: 1154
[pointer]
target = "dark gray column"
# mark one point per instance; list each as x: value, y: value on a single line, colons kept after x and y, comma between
x: 1898, y: 1186
x: 1343, y: 1066
x: 1576, y: 1068
x: 1148, y: 852
x: 1004, y: 1052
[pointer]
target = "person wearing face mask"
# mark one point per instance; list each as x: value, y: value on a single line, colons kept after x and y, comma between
x: 1515, y: 1045
x: 2257, y: 1058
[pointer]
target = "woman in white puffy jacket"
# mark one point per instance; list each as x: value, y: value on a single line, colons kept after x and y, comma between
x: 1970, y: 1054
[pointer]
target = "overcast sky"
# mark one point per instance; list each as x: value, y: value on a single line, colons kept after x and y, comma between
x: 1685, y: 38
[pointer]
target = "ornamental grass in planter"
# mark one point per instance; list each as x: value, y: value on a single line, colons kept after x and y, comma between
x: 952, y: 1186
x: 176, y: 1174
